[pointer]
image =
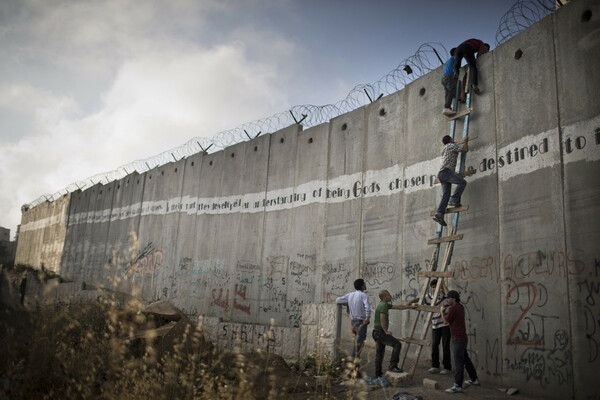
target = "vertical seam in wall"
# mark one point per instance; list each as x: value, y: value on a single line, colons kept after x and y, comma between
x: 365, y: 132
x: 325, y: 206
x: 106, y: 244
x: 175, y: 247
x: 562, y: 188
x: 264, y: 222
x: 499, y: 254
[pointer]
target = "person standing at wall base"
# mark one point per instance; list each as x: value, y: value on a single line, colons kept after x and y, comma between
x: 360, y: 313
x: 440, y: 331
x: 456, y: 319
x: 383, y: 337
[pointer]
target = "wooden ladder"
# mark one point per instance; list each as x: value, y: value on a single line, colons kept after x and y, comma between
x: 440, y: 272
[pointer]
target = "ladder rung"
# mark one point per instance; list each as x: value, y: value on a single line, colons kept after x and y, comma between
x: 467, y: 172
x: 425, y: 307
x: 436, y: 274
x: 459, y: 114
x: 420, y: 342
x: 462, y: 140
x: 450, y: 238
x: 451, y: 210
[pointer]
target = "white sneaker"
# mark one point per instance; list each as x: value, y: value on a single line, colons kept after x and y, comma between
x: 444, y: 371
x: 448, y: 111
x: 454, y: 389
x: 473, y: 382
x: 433, y: 370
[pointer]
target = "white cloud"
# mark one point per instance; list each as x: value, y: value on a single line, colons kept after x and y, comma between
x: 157, y: 101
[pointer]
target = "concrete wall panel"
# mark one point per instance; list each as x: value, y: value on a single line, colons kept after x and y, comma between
x: 157, y: 235
x: 531, y: 213
x: 207, y: 272
x: 183, y: 275
x: 250, y: 273
x: 278, y: 230
x: 577, y: 64
x: 97, y: 262
x: 306, y: 264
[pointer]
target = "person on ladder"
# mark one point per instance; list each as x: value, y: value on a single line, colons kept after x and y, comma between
x: 449, y: 82
x: 447, y: 177
x: 467, y: 50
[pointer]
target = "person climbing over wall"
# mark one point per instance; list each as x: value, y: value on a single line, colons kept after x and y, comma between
x: 455, y: 317
x: 440, y: 331
x: 449, y: 83
x: 467, y: 50
x: 383, y: 337
x: 360, y: 313
x: 447, y: 177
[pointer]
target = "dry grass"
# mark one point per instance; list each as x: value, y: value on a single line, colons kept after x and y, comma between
x: 87, y: 351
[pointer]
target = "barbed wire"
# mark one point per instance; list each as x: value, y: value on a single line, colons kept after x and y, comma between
x: 522, y: 15
x: 428, y: 57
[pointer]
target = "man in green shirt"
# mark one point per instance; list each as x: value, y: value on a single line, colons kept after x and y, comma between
x: 383, y: 337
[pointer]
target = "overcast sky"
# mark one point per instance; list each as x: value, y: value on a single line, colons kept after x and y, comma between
x: 87, y: 86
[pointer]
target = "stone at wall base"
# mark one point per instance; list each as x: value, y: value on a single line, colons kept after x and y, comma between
x: 398, y: 379
x: 512, y: 391
x: 430, y: 383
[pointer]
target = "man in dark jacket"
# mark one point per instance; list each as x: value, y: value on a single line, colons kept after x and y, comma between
x: 467, y: 50
x: 456, y: 319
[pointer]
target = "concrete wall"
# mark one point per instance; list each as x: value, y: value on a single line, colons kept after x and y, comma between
x: 252, y: 238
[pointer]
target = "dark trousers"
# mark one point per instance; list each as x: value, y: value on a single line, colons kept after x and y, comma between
x: 467, y: 52
x: 447, y: 178
x: 440, y: 334
x: 359, y: 329
x: 383, y: 339
x: 449, y: 89
x: 462, y: 361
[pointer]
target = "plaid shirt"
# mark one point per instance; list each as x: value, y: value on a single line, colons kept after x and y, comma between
x: 449, y: 156
x: 436, y: 318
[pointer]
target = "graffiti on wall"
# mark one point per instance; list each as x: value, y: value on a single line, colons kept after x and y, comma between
x: 520, y: 266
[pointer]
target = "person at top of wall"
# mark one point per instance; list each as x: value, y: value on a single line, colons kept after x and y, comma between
x: 448, y: 176
x: 467, y: 50
x: 449, y: 83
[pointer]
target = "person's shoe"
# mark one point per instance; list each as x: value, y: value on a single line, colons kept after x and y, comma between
x: 396, y: 370
x: 433, y: 370
x: 475, y: 89
x: 454, y: 203
x: 444, y: 371
x: 454, y: 389
x: 471, y: 382
x: 440, y: 220
x: 381, y: 381
x: 448, y: 111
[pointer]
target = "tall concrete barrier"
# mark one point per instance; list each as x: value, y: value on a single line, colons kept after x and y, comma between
x: 257, y: 240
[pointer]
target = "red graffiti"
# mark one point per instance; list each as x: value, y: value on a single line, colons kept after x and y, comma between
x: 219, y: 301
x: 241, y: 292
x: 522, y: 266
x: 536, y: 340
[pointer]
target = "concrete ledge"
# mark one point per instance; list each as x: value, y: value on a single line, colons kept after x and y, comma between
x: 398, y: 379
x: 430, y: 383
